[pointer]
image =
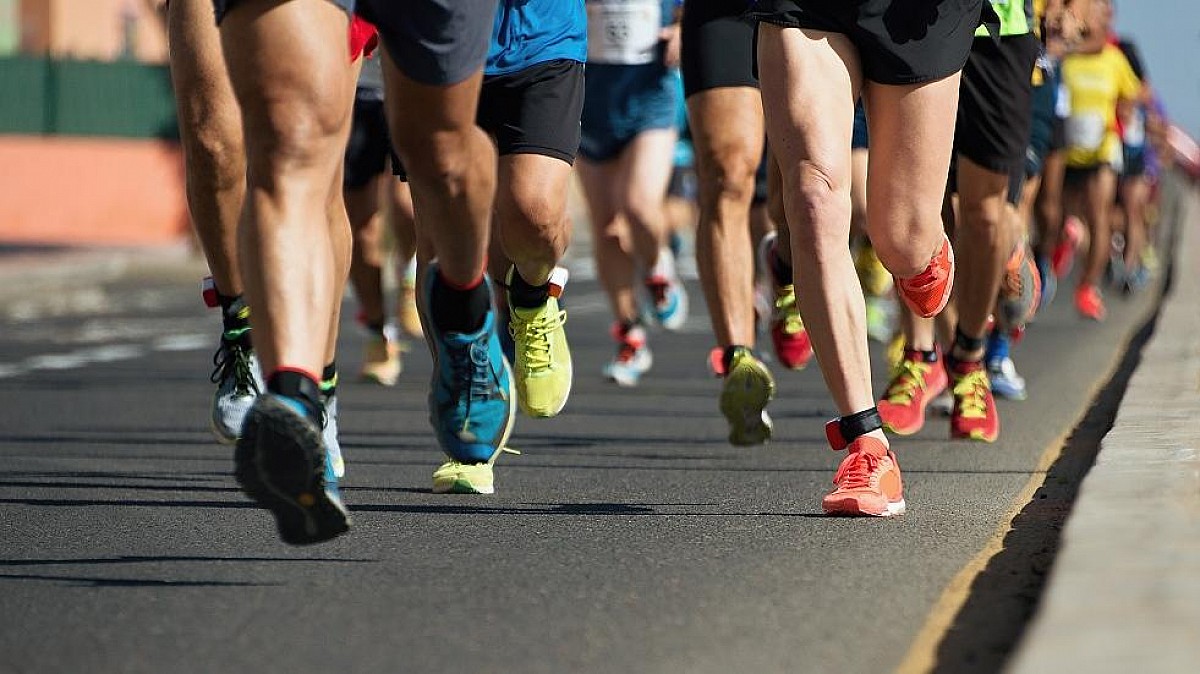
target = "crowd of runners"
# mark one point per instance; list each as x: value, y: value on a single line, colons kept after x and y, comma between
x: 832, y: 204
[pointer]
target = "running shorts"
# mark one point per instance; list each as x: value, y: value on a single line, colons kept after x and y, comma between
x: 532, y: 111
x: 995, y: 103
x: 622, y: 101
x: 717, y: 46
x: 899, y: 41
x: 860, y: 139
x: 369, y: 145
x: 1041, y: 138
x: 434, y: 42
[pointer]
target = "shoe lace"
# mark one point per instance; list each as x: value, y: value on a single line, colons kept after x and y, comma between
x: 971, y: 392
x: 534, y: 337
x: 787, y: 310
x: 856, y: 473
x: 470, y: 371
x: 907, y: 380
x: 233, y: 360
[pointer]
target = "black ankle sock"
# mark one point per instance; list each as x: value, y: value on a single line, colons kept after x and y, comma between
x: 930, y: 356
x: 329, y: 380
x: 377, y: 328
x: 966, y: 343
x: 780, y: 270
x: 727, y: 355
x: 522, y: 294
x: 456, y: 310
x: 299, y: 387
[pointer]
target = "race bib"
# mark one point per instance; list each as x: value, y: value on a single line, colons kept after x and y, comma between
x: 1135, y: 129
x: 623, y: 32
x: 1086, y: 131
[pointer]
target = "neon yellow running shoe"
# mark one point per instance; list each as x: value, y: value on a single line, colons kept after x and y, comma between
x: 876, y: 280
x: 456, y: 477
x: 543, y: 358
x: 748, y: 388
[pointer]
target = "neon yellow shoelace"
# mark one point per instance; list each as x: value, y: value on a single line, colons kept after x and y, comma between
x: 788, y: 310
x: 971, y: 392
x: 907, y: 379
x: 534, y: 338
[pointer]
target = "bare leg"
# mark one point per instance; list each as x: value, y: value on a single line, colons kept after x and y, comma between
x: 727, y: 128
x: 984, y: 243
x: 295, y: 132
x: 611, y: 245
x: 362, y: 209
x: 211, y: 132
x: 1099, y: 194
x: 531, y: 213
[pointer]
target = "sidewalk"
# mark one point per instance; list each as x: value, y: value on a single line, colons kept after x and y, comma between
x: 1124, y: 593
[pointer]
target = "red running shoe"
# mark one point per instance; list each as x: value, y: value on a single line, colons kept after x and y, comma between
x: 974, y: 416
x: 868, y: 482
x: 915, y: 382
x: 1090, y: 302
x: 928, y: 292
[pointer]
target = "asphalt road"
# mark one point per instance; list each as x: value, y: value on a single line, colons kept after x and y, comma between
x: 629, y: 537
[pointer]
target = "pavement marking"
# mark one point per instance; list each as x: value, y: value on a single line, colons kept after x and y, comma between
x: 922, y: 654
x: 107, y: 353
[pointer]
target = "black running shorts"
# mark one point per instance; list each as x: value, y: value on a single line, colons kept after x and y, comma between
x: 531, y: 111
x: 995, y: 103
x: 369, y: 145
x: 718, y: 46
x: 899, y: 41
x: 434, y: 42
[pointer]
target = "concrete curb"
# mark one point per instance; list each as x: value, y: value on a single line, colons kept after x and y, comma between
x: 1124, y: 593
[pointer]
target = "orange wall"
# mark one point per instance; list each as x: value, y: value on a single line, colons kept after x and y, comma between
x: 78, y: 191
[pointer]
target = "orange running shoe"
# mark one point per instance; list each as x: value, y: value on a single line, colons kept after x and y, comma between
x: 974, y: 416
x: 915, y: 383
x: 1090, y: 303
x: 927, y: 293
x: 867, y: 483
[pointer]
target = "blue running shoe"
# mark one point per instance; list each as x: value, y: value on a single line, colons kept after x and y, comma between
x: 1006, y: 382
x: 1049, y: 281
x: 472, y: 401
x: 282, y: 464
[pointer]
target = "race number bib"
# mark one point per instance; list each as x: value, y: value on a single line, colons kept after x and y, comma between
x: 623, y: 32
x: 1086, y: 131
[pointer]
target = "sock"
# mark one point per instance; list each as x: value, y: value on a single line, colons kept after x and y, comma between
x: 329, y: 380
x: 922, y: 355
x: 300, y: 389
x: 459, y: 309
x: 781, y: 271
x: 966, y: 343
x: 235, y: 318
x: 727, y: 356
x: 522, y: 294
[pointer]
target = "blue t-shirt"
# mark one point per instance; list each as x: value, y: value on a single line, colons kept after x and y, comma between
x: 529, y: 32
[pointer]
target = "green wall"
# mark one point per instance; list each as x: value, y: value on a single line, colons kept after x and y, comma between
x: 85, y: 98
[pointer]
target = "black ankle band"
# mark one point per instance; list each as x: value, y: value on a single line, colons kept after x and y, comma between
x: 298, y: 386
x: 860, y: 423
x: 966, y: 343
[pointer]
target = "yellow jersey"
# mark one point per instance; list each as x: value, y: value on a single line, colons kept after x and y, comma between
x: 1094, y: 84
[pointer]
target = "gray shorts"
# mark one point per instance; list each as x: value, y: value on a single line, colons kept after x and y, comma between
x: 433, y: 42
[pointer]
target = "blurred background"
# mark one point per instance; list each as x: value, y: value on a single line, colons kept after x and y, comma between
x: 88, y: 150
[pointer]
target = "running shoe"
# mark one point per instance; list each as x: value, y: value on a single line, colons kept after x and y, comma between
x: 335, y: 464
x: 872, y: 275
x: 670, y: 301
x: 867, y: 483
x: 543, y: 359
x: 895, y: 349
x: 456, y: 477
x: 281, y: 463
x: 1136, y: 280
x: 1090, y: 303
x: 1006, y: 382
x: 879, y: 318
x: 747, y: 390
x: 471, y: 397
x: 236, y: 374
x: 633, y: 357
x: 668, y: 297
x: 1048, y: 280
x: 790, y: 338
x: 928, y: 292
x: 1020, y: 290
x: 1063, y: 257
x: 381, y: 360
x: 407, y: 314
x: 974, y: 416
x: 915, y: 382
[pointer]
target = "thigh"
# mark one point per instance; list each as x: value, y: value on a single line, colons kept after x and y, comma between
x: 910, y: 149
x: 645, y: 170
x: 726, y: 124
x: 199, y: 77
x: 598, y: 180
